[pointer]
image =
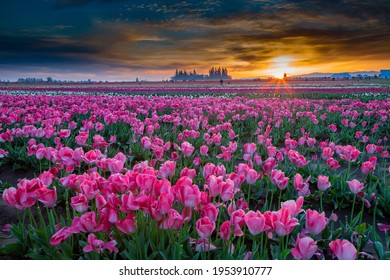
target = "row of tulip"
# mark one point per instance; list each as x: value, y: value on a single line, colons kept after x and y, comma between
x: 189, y: 178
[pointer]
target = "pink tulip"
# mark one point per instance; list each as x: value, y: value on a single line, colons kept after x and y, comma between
x: 145, y: 182
x: 371, y: 148
x: 175, y: 220
x: 88, y: 223
x: 297, y: 159
x: 257, y: 159
x: 237, y: 220
x: 315, y: 222
x: 227, y: 190
x: 89, y: 189
x: 205, y: 227
x: 255, y: 222
x: 383, y: 227
x: 115, y: 166
x: 66, y: 156
x: 9, y: 196
x: 349, y: 153
x: 343, y: 249
x: 191, y: 173
x: 187, y: 149
x: 46, y: 178
x: 332, y: 163
x: 187, y: 193
x: 209, y: 210
x: 250, y: 148
x: 369, y: 165
x: 225, y: 230
x: 293, y: 207
x: 82, y: 138
x: 203, y: 150
x: 278, y: 179
x: 167, y: 169
x: 202, y: 245
x: 127, y: 225
x: 301, y: 187
x: 304, y: 248
x: 165, y: 202
x: 323, y: 183
x: 214, y: 185
x: 97, y: 245
x: 208, y: 170
x: 251, y: 176
x: 79, y: 203
x: 355, y: 186
x: 283, y: 224
x: 269, y: 165
x: 327, y: 153
x: 48, y: 197
x: 60, y: 236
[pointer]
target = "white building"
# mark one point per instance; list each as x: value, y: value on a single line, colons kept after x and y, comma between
x: 385, y: 74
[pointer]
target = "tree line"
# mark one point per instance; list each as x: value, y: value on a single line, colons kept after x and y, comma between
x: 214, y: 73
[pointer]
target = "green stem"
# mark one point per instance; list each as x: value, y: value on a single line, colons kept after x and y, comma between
x: 280, y: 198
x: 272, y: 200
x: 32, y: 219
x: 353, y: 206
x: 374, y: 221
x: 361, y: 213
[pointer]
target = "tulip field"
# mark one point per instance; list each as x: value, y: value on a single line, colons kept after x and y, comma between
x: 192, y: 171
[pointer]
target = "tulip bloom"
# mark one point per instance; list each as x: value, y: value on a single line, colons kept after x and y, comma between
x: 301, y: 187
x: 323, y: 183
x: 343, y: 249
x: 98, y: 245
x: 269, y: 165
x: 283, y: 224
x: 327, y: 153
x: 294, y: 207
x: 332, y: 163
x: 225, y: 230
x: 278, y: 179
x: 79, y: 203
x: 205, y: 227
x: 297, y: 159
x: 255, y: 222
x: 315, y: 222
x: 167, y: 169
x: 187, y: 149
x: 355, y: 186
x: 48, y: 197
x: 304, y: 248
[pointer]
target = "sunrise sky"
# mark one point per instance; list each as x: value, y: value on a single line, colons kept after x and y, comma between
x: 121, y: 40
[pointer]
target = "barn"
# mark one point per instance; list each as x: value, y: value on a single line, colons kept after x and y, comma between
x: 385, y: 74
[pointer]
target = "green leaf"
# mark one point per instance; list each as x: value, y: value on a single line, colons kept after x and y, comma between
x: 355, y: 220
x: 13, y: 249
x: 379, y: 250
x: 361, y: 228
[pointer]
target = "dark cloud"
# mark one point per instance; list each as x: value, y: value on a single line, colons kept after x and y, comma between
x: 244, y: 35
x: 73, y: 3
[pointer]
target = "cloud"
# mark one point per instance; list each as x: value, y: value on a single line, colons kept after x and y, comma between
x: 246, y: 36
x: 75, y: 3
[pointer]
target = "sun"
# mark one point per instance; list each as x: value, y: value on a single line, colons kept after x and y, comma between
x: 278, y: 73
x: 279, y: 66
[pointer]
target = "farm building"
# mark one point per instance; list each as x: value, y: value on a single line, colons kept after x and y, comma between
x: 385, y: 74
x: 346, y: 76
